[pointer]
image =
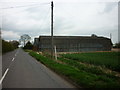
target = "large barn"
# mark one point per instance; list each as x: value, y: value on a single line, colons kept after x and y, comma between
x: 73, y: 43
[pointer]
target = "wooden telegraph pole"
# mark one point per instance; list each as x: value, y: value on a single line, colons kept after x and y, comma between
x: 52, y: 48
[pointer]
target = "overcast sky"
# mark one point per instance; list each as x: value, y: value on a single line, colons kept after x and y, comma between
x: 71, y: 17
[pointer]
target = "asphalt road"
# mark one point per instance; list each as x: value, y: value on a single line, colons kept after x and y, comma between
x: 20, y: 70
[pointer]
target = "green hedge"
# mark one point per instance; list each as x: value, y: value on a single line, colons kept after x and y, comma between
x: 7, y: 46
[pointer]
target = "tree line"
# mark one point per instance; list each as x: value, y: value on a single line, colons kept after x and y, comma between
x: 25, y: 38
x: 28, y: 46
x: 117, y: 45
x: 9, y: 45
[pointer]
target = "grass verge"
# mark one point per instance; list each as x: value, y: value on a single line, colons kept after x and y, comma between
x: 27, y: 50
x: 80, y: 77
x: 89, y: 68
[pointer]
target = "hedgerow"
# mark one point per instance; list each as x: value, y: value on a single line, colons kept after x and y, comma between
x: 7, y: 46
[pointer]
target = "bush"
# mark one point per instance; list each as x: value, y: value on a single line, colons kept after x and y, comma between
x: 117, y: 45
x: 7, y: 46
x: 28, y: 46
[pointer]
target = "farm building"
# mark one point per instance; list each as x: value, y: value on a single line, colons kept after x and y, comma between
x: 73, y: 43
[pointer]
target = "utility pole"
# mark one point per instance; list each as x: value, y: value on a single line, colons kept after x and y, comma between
x: 52, y: 48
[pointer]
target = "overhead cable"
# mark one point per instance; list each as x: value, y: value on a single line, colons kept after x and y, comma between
x: 25, y: 6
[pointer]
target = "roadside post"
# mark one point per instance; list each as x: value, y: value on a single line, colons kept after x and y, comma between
x: 55, y: 53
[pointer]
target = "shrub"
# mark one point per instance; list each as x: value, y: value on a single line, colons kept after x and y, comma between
x: 28, y: 45
x: 7, y: 46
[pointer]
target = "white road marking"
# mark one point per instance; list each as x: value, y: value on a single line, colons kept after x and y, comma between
x: 1, y: 80
x: 13, y: 59
x: 4, y: 76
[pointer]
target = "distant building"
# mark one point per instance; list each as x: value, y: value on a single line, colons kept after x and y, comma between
x: 74, y: 43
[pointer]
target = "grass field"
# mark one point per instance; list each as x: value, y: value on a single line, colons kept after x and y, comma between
x: 80, y: 74
x: 109, y: 60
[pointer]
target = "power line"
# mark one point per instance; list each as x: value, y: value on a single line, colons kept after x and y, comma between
x: 43, y: 18
x: 24, y: 6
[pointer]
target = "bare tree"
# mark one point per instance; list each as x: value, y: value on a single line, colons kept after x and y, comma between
x: 25, y: 38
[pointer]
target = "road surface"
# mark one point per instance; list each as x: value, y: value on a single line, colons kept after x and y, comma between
x: 20, y: 70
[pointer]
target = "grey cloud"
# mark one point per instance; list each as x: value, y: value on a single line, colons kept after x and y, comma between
x: 109, y: 6
x: 38, y: 13
x: 68, y: 20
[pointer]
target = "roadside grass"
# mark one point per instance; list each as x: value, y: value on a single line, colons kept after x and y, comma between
x: 27, y: 50
x: 89, y: 68
x: 105, y: 59
x: 80, y: 77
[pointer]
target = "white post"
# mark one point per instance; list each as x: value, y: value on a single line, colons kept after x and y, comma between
x: 55, y: 53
